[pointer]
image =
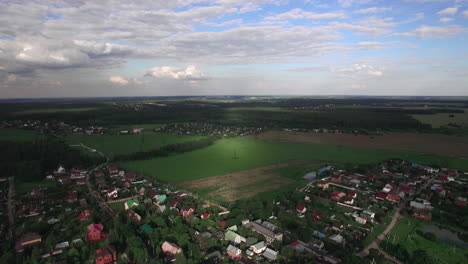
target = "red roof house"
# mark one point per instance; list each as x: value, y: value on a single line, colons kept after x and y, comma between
x: 84, y: 215
x: 205, y: 215
x: 393, y: 197
x: 95, y: 233
x: 300, y: 208
x: 130, y: 176
x: 72, y: 197
x: 186, y: 211
x: 352, y: 194
x: 381, y: 196
x: 106, y: 255
x: 337, y: 195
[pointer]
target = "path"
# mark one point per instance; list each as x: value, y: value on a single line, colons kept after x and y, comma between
x: 11, y: 207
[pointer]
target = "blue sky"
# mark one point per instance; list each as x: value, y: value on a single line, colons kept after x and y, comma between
x: 258, y: 47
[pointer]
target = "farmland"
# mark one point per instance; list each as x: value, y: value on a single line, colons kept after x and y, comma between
x: 124, y: 144
x: 237, y: 154
x: 443, y: 119
x: 13, y: 134
x: 412, y: 142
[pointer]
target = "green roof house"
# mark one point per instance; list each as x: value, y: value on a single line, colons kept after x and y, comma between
x: 146, y: 228
x: 131, y: 203
x: 162, y: 198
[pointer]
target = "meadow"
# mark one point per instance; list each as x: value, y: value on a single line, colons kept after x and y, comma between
x: 405, y: 233
x: 13, y: 134
x: 443, y: 119
x: 237, y: 154
x: 125, y: 144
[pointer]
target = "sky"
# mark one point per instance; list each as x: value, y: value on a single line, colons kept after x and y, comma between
x: 78, y: 48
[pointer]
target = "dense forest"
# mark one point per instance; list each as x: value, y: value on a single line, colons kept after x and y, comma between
x: 31, y: 161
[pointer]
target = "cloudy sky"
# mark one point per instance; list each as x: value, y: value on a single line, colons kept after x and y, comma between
x: 73, y: 48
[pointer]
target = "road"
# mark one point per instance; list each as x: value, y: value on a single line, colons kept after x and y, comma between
x: 376, y: 243
x: 11, y: 207
x: 98, y: 197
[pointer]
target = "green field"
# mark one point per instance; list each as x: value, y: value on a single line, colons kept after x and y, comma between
x: 13, y: 134
x: 443, y: 119
x: 124, y: 144
x: 232, y: 155
x: 55, y: 110
x: 404, y: 233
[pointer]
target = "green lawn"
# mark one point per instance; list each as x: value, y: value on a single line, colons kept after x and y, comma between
x: 404, y: 233
x: 22, y: 187
x: 117, y: 206
x: 13, y: 134
x: 124, y: 144
x: 231, y: 155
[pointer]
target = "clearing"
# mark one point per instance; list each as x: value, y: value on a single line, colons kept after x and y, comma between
x: 455, y: 146
x: 238, y: 154
x: 243, y: 184
x: 125, y: 144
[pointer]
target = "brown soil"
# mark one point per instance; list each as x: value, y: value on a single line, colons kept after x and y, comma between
x: 244, y: 184
x: 444, y: 145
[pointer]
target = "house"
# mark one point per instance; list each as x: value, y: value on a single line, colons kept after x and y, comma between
x: 355, y: 182
x: 337, y: 195
x: 106, y: 255
x: 270, y: 254
x: 421, y: 205
x: 337, y: 238
x: 387, y: 188
x: 360, y: 220
x: 152, y: 194
x: 352, y: 194
x: 233, y: 252
x: 60, y: 170
x: 136, y: 218
x: 381, y: 196
x: 170, y: 251
x: 146, y: 228
x: 205, y: 215
x: 336, y: 179
x: 72, y: 197
x: 131, y: 203
x: 214, y: 258
x: 140, y: 189
x: 322, y: 184
x: 186, y: 211
x: 84, y: 215
x: 270, y: 231
x: 95, y: 233
x: 113, y: 170
x: 112, y: 193
x: 162, y: 198
x: 349, y: 201
x: 27, y: 240
x: 301, y: 246
x: 301, y: 208
x: 461, y: 201
x: 258, y: 248
x: 393, y: 198
x: 130, y: 176
x: 310, y: 176
x: 234, y: 237
x: 80, y: 181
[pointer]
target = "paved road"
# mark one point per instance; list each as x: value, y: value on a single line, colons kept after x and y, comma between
x: 11, y: 207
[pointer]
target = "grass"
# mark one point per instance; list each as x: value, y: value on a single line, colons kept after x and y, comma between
x: 23, y: 187
x: 404, y: 233
x: 232, y: 155
x: 55, y: 110
x: 124, y: 144
x: 443, y: 119
x: 117, y: 206
x: 13, y: 134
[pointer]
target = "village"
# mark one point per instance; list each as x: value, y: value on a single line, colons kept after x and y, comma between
x: 337, y: 212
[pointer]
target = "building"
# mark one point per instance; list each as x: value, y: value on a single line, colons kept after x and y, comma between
x: 300, y: 208
x: 95, y: 233
x: 337, y: 195
x: 112, y: 193
x: 170, y: 251
x: 234, y: 237
x: 27, y: 240
x: 258, y: 248
x: 270, y: 254
x: 234, y: 252
x: 131, y: 203
x: 270, y: 231
x: 84, y: 215
x: 106, y: 255
x: 186, y: 211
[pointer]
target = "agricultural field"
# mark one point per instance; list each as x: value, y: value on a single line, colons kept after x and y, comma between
x: 405, y: 233
x: 456, y: 146
x: 125, y: 144
x: 55, y: 110
x: 13, y: 134
x: 443, y: 119
x: 238, y: 154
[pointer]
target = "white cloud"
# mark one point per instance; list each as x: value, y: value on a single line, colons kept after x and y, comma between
x: 435, y: 32
x: 348, y: 3
x: 372, y: 10
x: 375, y: 73
x: 166, y: 72
x: 298, y: 13
x: 445, y: 19
x: 360, y: 69
x: 369, y: 45
x: 357, y: 86
x: 448, y: 11
x: 119, y: 80
x: 465, y: 13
